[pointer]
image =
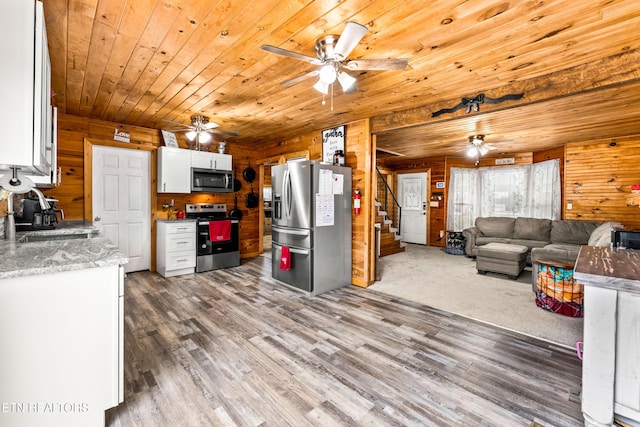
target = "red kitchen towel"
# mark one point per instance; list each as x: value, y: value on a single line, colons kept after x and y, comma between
x: 285, y: 258
x: 220, y: 231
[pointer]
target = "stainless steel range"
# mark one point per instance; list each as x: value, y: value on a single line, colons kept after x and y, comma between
x: 217, y: 240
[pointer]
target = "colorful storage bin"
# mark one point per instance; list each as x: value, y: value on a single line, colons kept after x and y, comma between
x: 557, y: 290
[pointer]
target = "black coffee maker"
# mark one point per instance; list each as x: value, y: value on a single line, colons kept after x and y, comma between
x: 34, y: 217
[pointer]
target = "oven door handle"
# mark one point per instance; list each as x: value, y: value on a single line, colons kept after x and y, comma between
x: 287, y: 231
x: 294, y: 250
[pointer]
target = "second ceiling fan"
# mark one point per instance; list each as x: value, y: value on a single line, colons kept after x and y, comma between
x: 332, y: 52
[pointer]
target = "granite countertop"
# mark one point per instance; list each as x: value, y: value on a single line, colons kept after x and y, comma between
x: 612, y: 268
x: 72, y: 245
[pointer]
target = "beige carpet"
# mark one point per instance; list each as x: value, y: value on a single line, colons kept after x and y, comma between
x: 430, y: 276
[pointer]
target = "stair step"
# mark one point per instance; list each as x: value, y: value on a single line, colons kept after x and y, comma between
x: 391, y: 250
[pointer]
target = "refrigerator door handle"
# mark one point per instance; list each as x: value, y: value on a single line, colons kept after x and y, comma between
x: 286, y: 194
x: 294, y: 250
x: 287, y: 231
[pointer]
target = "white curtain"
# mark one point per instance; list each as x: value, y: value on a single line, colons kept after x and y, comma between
x: 510, y: 191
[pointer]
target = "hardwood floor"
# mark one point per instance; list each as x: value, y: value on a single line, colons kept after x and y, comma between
x: 232, y: 347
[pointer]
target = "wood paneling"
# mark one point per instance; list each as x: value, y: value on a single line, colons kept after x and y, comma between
x: 358, y: 146
x: 598, y: 177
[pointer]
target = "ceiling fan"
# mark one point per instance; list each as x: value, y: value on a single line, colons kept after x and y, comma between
x: 201, y: 130
x: 332, y: 52
x: 477, y: 147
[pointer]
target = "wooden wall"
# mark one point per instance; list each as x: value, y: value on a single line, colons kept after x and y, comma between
x: 358, y: 156
x: 598, y: 176
x: 73, y: 130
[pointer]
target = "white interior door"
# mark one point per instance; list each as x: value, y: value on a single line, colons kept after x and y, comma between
x: 121, y: 205
x: 412, y: 195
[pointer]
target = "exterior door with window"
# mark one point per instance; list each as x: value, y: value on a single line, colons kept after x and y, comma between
x: 412, y: 194
x: 121, y: 202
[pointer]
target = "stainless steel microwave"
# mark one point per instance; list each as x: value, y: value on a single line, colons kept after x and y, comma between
x: 211, y: 181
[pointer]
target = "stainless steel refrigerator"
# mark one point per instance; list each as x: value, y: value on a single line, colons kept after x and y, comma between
x: 311, y: 219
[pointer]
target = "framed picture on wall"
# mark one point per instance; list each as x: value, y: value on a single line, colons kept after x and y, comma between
x: 332, y: 140
x: 440, y: 184
x: 170, y: 139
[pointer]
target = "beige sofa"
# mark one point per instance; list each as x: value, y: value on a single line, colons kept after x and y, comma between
x: 546, y: 239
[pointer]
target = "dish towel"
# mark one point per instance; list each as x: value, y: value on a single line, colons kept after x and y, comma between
x: 220, y: 231
x: 285, y: 258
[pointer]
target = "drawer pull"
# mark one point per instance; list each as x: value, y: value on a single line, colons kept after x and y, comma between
x: 182, y: 260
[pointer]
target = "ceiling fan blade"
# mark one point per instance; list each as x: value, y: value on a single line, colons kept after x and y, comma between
x: 377, y: 64
x: 177, y: 130
x: 348, y: 40
x: 300, y: 78
x: 211, y: 125
x: 290, y: 54
x: 223, y: 132
x: 186, y: 126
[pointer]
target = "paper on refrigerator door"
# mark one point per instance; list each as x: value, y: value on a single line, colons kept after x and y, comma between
x: 324, y: 210
x: 338, y: 184
x: 325, y: 181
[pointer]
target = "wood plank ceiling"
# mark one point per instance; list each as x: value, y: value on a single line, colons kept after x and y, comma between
x: 140, y: 62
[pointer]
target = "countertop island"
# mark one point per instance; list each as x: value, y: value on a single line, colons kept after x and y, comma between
x: 61, y: 326
x: 610, y: 369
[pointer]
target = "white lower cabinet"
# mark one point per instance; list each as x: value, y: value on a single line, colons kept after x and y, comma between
x: 176, y: 248
x: 62, y: 341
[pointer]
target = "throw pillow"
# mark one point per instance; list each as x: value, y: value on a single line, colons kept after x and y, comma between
x: 601, y: 236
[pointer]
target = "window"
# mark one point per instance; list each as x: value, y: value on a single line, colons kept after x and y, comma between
x: 529, y: 191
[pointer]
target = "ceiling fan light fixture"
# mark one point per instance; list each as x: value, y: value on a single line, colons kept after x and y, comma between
x: 483, y: 150
x: 191, y: 135
x: 321, y: 87
x: 328, y: 74
x: 346, y: 81
x: 472, y: 151
x: 204, y: 137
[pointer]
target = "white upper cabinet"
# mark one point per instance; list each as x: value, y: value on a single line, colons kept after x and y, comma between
x: 25, y: 113
x: 207, y: 160
x: 174, y: 170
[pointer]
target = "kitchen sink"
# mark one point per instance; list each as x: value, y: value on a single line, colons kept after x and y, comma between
x: 50, y: 237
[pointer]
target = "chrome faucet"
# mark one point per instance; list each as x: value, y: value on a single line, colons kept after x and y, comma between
x: 10, y: 223
x: 44, y: 205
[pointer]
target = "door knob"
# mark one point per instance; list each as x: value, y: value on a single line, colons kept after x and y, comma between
x: 96, y: 219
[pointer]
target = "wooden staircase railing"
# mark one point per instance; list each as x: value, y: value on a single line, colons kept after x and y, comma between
x: 388, y: 216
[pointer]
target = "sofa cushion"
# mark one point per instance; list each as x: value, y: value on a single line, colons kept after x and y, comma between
x: 495, y: 226
x: 601, y: 236
x: 484, y: 240
x: 556, y: 251
x: 529, y: 243
x: 572, y: 231
x: 532, y: 229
